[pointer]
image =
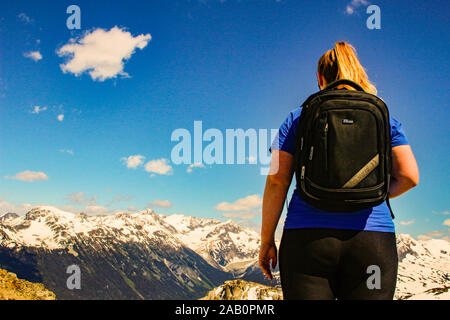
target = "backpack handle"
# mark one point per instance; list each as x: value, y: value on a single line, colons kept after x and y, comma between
x: 344, y: 81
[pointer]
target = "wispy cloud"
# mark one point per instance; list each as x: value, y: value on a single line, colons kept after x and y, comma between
x: 101, y: 53
x: 33, y: 55
x: 354, y: 4
x: 159, y: 166
x: 132, y: 162
x: 24, y: 18
x: 60, y: 117
x: 67, y: 151
x: 244, y: 215
x: 243, y: 204
x: 446, y: 223
x: 83, y: 199
x: 160, y: 203
x: 95, y: 209
x: 9, y: 207
x: 38, y: 109
x: 438, y: 234
x: 29, y: 176
x: 118, y: 198
x: 194, y: 165
x: 407, y: 223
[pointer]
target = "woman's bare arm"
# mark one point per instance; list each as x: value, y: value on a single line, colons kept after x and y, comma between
x: 405, y: 173
x: 277, y: 186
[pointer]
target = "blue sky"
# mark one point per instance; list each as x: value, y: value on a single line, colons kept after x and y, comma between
x: 231, y: 64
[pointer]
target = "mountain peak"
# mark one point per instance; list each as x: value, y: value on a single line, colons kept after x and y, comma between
x: 7, y: 216
x: 41, y: 211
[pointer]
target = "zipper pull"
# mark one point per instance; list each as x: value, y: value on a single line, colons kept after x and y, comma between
x: 311, y: 153
x: 326, y: 127
x: 301, y: 143
x: 302, y: 176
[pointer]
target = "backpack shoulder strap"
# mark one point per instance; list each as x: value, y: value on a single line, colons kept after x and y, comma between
x: 389, y: 206
x: 298, y: 134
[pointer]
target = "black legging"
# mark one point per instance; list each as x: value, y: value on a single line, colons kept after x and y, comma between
x: 332, y: 264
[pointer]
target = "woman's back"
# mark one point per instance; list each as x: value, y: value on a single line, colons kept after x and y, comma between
x: 327, y: 254
x: 302, y: 215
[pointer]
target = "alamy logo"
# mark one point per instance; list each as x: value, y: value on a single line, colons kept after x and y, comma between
x: 74, y: 20
x: 374, y: 20
x: 234, y: 146
x: 374, y: 280
x: 74, y: 280
x: 347, y: 121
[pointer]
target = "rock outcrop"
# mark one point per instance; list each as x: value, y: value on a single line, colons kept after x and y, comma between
x: 12, y: 288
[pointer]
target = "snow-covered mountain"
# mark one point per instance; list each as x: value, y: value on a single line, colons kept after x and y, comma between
x: 222, y: 244
x: 145, y: 255
x: 125, y: 255
x: 424, y: 268
x: 7, y: 216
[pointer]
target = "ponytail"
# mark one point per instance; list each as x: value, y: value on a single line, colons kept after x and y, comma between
x: 342, y: 63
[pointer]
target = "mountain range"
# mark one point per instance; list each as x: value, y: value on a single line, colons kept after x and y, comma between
x: 140, y: 255
x: 145, y: 255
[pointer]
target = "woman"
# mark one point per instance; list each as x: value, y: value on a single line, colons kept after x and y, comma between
x: 330, y: 255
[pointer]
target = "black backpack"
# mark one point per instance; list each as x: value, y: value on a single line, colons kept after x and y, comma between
x: 343, y: 149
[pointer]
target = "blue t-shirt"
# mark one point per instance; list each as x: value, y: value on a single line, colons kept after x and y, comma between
x: 302, y: 215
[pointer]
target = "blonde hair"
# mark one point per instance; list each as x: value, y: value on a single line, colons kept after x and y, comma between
x: 342, y: 63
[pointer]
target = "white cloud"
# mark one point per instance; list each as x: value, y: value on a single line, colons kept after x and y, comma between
x: 194, y: 165
x: 6, y: 207
x: 446, y: 223
x: 243, y: 204
x: 445, y: 212
x: 67, y: 151
x: 438, y: 234
x: 29, y: 176
x: 354, y: 4
x: 119, y: 198
x: 95, y: 209
x: 159, y: 166
x: 23, y: 17
x: 245, y: 215
x: 132, y: 208
x: 82, y: 198
x: 33, y: 55
x: 407, y: 223
x: 133, y: 162
x: 435, y: 234
x: 160, y: 203
x: 38, y: 109
x: 60, y: 117
x: 101, y: 53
